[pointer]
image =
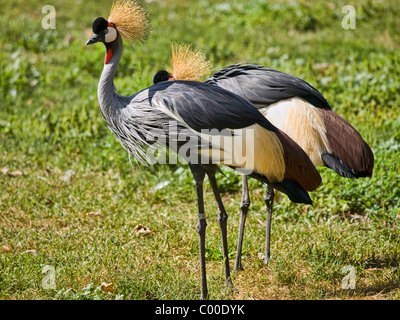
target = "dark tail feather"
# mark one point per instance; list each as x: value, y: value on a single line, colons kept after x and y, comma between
x: 293, y: 190
x: 290, y: 187
x: 333, y: 162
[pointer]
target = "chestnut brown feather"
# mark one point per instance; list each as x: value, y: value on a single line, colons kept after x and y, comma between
x: 298, y: 165
x: 348, y: 145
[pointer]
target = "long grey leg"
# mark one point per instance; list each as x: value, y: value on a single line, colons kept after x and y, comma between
x: 198, y: 175
x: 269, y: 201
x: 222, y: 221
x: 244, y: 208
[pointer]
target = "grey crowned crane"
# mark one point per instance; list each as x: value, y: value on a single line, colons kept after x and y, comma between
x: 200, y: 122
x: 292, y: 105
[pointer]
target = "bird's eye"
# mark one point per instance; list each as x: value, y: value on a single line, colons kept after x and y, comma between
x: 106, y: 31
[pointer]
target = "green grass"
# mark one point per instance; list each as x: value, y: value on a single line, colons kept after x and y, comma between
x: 70, y: 199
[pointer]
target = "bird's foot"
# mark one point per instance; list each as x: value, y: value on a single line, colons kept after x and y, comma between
x: 230, y: 286
x: 204, y: 296
x: 265, y: 258
x: 238, y: 266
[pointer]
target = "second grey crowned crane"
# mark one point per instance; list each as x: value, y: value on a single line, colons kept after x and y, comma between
x: 292, y: 105
x: 199, y: 122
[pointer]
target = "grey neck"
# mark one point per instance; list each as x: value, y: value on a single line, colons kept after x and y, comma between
x: 106, y: 93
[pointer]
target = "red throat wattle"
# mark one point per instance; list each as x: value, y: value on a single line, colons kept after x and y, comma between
x: 108, y: 55
x: 109, y: 50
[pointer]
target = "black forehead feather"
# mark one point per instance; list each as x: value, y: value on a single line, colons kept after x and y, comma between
x: 99, y: 25
x: 160, y: 76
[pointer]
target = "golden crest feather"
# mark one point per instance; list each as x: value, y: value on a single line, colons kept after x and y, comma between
x: 188, y: 64
x: 131, y: 20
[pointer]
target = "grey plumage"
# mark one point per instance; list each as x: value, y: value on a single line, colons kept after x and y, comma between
x: 263, y: 86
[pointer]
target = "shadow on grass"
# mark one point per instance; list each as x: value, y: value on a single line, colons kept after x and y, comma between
x: 389, y: 261
x: 364, y: 288
x: 366, y: 291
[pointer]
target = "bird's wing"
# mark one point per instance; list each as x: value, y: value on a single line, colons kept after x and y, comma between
x: 263, y: 86
x: 202, y: 106
x: 165, y: 113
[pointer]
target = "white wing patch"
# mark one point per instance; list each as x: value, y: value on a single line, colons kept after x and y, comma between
x: 302, y: 122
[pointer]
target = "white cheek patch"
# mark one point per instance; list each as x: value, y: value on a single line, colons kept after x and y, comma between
x: 111, y: 35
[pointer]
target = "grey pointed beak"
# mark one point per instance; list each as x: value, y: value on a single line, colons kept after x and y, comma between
x: 93, y: 39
